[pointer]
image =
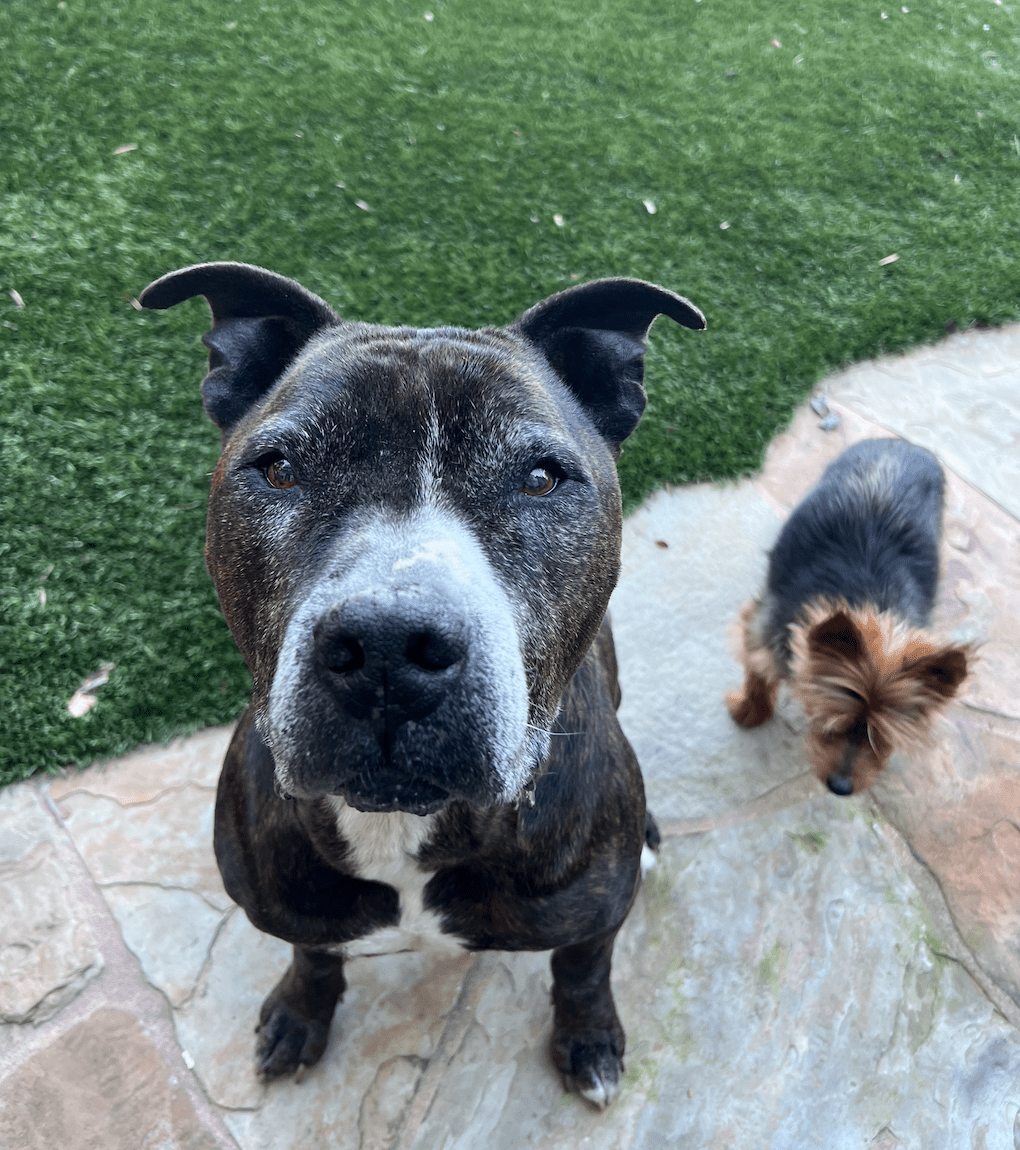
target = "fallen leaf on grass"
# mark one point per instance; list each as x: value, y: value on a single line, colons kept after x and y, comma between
x: 649, y: 207
x: 361, y: 204
x: 776, y: 44
x: 81, y: 702
x: 888, y: 260
x: 42, y: 596
x: 429, y: 16
x: 16, y: 296
x: 723, y: 226
x: 558, y: 220
x: 125, y: 148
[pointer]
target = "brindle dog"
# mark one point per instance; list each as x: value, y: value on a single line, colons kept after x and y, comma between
x: 414, y: 534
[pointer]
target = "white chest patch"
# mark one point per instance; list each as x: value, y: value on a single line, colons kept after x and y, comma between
x: 384, y: 848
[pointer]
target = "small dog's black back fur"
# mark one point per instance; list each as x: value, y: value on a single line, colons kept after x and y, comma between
x: 867, y: 534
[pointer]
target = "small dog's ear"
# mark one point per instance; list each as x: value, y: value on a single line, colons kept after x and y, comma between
x: 939, y: 673
x: 594, y: 337
x: 837, y: 636
x: 260, y: 322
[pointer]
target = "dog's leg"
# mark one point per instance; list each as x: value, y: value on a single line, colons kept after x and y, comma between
x: 588, y: 1040
x: 294, y: 1021
x: 755, y: 703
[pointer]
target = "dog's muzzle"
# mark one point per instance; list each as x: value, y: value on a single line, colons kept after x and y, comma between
x: 400, y: 683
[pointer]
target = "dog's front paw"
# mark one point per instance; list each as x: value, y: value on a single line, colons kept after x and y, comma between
x: 752, y: 706
x: 287, y: 1041
x: 591, y: 1064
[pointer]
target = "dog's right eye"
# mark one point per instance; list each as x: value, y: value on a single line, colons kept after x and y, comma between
x: 539, y: 481
x: 280, y: 474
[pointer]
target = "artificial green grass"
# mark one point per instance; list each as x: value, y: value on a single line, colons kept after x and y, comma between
x: 259, y: 127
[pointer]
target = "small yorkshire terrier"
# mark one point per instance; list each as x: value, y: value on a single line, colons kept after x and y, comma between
x: 850, y: 588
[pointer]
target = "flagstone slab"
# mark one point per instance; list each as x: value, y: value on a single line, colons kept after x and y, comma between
x: 959, y: 398
x: 48, y: 952
x: 150, y: 771
x: 385, y: 1029
x: 102, y: 1085
x: 958, y: 806
x: 166, y: 841
x: 673, y: 613
x: 170, y: 932
x: 781, y: 989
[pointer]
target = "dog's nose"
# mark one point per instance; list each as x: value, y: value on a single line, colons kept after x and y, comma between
x: 840, y: 784
x: 389, y: 656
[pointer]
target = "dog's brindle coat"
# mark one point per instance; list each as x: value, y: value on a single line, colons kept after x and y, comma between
x: 414, y: 535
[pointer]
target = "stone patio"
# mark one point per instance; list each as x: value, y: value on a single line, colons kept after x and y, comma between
x: 799, y: 971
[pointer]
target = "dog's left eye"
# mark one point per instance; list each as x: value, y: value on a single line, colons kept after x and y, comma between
x: 539, y: 481
x: 280, y: 474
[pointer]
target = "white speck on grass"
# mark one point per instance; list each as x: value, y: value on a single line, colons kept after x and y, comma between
x: 650, y: 207
x: 558, y: 220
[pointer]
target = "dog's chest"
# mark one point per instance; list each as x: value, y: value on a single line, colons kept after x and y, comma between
x: 383, y: 848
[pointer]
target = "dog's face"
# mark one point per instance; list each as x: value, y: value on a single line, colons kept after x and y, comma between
x: 414, y: 533
x: 870, y: 685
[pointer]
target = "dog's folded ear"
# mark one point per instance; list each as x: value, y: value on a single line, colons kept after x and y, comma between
x: 260, y: 322
x: 594, y: 337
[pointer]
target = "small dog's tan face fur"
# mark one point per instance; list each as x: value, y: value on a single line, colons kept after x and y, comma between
x: 869, y: 684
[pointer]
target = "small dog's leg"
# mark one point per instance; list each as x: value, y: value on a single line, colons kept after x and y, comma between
x: 588, y: 1040
x: 755, y: 704
x: 294, y: 1020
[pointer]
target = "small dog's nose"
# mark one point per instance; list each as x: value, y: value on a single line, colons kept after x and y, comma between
x: 389, y: 656
x: 840, y: 784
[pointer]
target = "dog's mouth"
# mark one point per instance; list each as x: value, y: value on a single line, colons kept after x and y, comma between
x: 412, y: 796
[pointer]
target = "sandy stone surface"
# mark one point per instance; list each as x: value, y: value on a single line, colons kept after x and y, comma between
x: 957, y: 398
x: 101, y: 1085
x: 48, y: 952
x: 781, y: 988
